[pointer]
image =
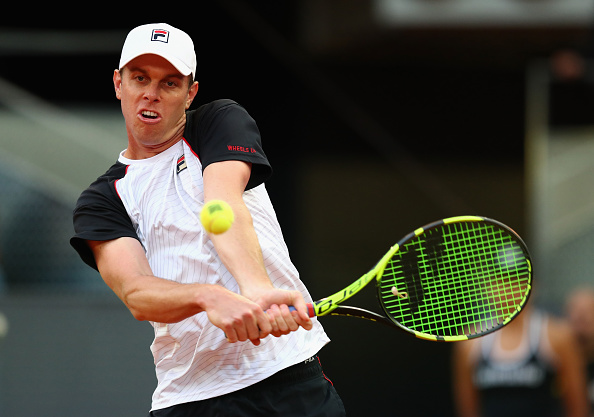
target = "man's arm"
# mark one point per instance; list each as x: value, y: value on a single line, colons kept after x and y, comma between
x: 240, y: 251
x: 466, y: 398
x: 571, y: 369
x: 125, y: 268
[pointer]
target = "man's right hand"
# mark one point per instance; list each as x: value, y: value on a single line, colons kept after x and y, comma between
x: 240, y: 318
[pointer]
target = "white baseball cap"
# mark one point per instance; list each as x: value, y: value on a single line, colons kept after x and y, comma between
x: 164, y: 40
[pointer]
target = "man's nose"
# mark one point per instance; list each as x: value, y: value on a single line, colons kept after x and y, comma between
x: 152, y: 93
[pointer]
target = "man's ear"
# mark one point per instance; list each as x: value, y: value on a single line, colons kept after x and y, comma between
x: 117, y: 83
x: 192, y: 94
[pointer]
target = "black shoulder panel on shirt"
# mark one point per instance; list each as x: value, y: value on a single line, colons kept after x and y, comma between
x: 100, y: 214
x: 224, y: 131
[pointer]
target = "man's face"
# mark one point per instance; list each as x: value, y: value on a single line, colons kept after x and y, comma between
x: 154, y: 96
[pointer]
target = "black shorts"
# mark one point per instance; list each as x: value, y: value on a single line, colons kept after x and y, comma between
x: 302, y: 390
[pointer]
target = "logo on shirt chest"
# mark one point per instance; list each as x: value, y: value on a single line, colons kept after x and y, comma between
x: 181, y: 164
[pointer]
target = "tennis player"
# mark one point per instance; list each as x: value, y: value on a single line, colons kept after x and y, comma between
x: 225, y: 341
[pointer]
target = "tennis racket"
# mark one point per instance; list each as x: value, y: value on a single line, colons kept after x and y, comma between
x: 451, y: 280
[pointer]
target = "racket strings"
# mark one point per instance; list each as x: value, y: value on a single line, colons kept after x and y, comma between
x: 471, y: 278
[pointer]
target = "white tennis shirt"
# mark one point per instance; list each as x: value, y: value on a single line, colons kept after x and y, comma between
x: 193, y: 359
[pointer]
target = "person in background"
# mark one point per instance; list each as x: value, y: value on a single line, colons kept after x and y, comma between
x: 531, y: 367
x: 572, y: 83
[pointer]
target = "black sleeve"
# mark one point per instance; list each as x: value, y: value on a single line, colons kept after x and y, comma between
x: 223, y: 131
x: 100, y: 215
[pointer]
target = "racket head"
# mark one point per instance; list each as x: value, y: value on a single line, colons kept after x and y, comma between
x: 456, y: 279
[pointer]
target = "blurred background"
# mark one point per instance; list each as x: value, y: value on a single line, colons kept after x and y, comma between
x: 378, y: 116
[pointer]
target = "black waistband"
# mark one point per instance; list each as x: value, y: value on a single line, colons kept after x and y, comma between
x: 307, y: 369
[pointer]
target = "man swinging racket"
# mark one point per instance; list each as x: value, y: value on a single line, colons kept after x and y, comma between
x: 225, y: 341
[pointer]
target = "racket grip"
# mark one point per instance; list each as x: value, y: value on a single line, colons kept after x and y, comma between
x: 310, y: 309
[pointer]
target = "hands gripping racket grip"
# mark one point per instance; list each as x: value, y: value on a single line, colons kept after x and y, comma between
x: 310, y: 309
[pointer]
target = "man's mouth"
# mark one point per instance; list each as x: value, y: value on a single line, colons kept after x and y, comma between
x: 149, y: 114
x: 149, y: 117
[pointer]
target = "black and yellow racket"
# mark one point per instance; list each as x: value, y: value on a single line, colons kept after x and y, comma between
x: 451, y: 280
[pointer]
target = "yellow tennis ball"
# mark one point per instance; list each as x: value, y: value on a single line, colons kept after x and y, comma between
x: 217, y: 216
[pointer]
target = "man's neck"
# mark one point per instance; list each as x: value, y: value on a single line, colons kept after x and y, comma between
x: 135, y: 151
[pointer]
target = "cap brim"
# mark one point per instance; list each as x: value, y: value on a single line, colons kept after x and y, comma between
x: 178, y: 64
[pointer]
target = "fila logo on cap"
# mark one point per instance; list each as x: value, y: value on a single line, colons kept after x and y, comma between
x: 160, y: 35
